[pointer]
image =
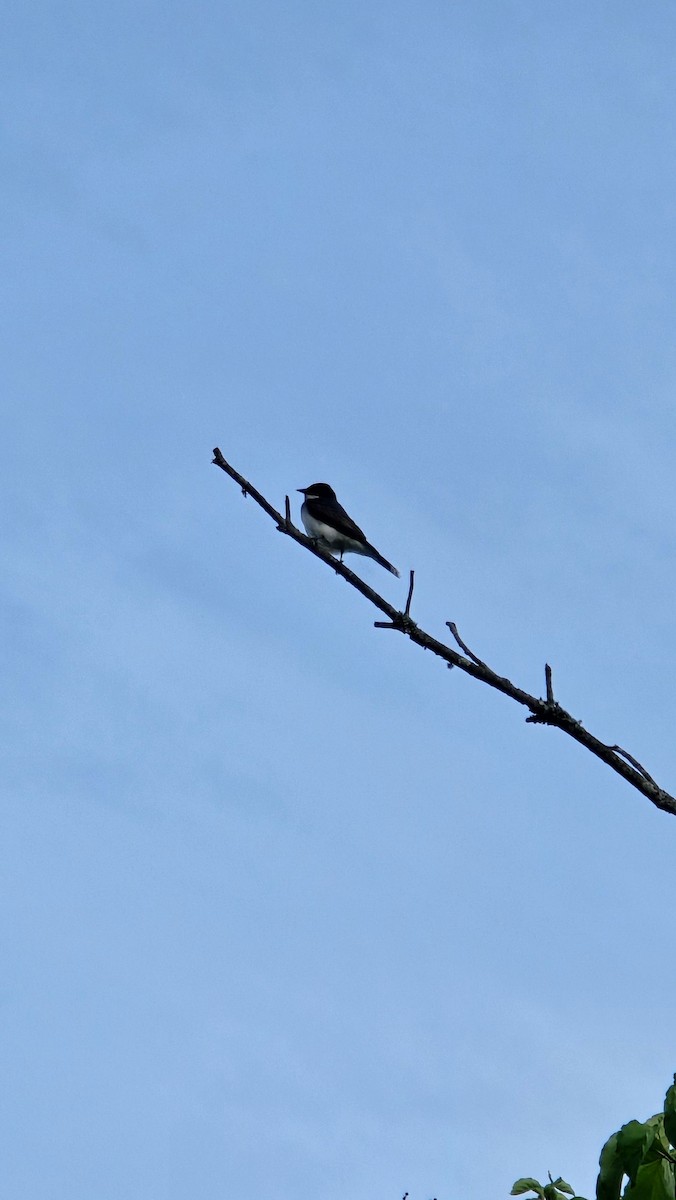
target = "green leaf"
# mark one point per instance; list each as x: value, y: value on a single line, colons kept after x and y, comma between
x: 670, y: 1113
x: 654, y: 1181
x: 550, y: 1192
x: 558, y: 1189
x: 658, y: 1145
x: 633, y: 1143
x: 526, y: 1185
x: 611, y: 1171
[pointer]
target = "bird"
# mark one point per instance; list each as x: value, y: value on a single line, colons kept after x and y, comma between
x: 329, y: 526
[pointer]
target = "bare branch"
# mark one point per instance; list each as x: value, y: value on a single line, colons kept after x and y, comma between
x: 403, y: 620
x: 454, y: 630
x: 633, y: 761
x: 542, y: 712
x: 407, y: 610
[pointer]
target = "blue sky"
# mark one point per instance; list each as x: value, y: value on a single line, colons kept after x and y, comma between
x: 289, y: 909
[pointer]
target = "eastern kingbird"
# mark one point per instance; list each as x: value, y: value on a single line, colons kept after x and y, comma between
x: 329, y: 525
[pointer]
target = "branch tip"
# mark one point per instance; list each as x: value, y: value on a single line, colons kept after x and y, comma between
x: 407, y: 610
x: 465, y: 649
x: 634, y: 762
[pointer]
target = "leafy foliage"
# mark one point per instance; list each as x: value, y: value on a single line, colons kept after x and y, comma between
x: 556, y: 1189
x: 642, y: 1152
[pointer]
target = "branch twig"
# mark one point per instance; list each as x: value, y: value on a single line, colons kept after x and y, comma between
x: 542, y: 711
x: 454, y: 630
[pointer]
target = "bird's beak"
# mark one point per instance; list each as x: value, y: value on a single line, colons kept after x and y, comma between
x: 303, y: 490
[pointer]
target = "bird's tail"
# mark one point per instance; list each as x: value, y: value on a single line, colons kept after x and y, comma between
x: 383, y: 561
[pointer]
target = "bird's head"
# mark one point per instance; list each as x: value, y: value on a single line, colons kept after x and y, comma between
x: 318, y: 491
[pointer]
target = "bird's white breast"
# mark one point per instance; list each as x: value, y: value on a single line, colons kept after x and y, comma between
x: 327, y: 537
x: 317, y: 529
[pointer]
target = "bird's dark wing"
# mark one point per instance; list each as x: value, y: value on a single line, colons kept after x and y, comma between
x: 330, y: 512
